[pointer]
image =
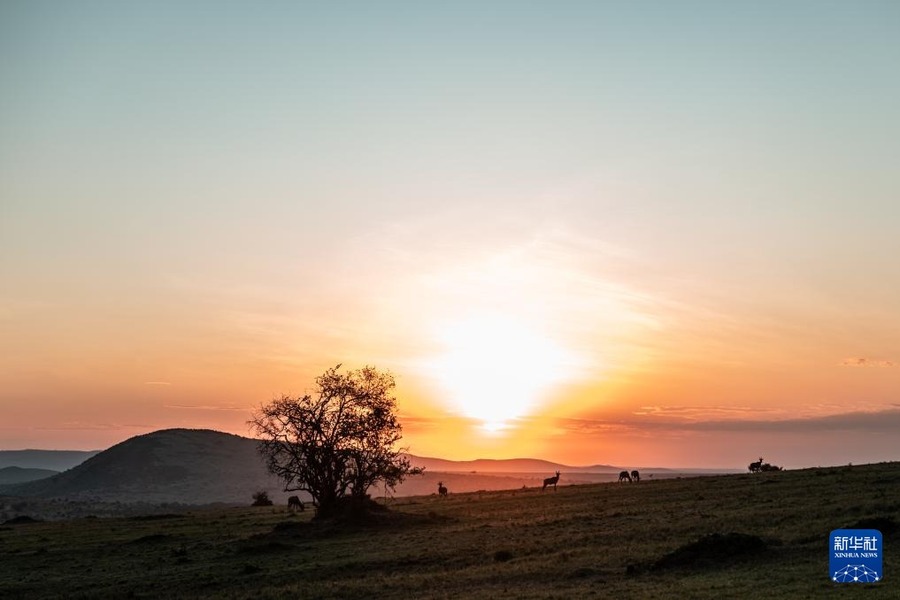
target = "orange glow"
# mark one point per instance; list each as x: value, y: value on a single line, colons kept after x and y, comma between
x: 495, y: 369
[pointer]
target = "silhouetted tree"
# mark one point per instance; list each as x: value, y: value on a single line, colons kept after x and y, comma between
x: 336, y: 443
x: 261, y: 499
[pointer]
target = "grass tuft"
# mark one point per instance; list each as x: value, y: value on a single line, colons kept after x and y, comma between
x: 502, y: 555
x: 714, y: 550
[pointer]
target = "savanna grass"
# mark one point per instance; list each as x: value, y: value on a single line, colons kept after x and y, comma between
x: 732, y: 536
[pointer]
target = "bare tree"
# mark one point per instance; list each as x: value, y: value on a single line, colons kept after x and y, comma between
x: 337, y: 443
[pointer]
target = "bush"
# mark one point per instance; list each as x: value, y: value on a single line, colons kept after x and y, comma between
x: 261, y: 499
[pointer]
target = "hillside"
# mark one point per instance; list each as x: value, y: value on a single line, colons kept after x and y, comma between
x: 203, y: 466
x: 729, y: 536
x: 173, y: 465
x: 10, y: 475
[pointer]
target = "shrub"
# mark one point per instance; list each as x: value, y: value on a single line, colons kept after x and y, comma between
x: 261, y: 499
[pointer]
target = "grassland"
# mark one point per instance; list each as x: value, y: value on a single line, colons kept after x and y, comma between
x: 601, y: 540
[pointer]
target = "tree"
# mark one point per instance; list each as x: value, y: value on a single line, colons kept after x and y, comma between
x: 337, y: 443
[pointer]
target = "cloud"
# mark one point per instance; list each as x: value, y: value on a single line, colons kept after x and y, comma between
x: 692, y: 412
x: 79, y: 426
x: 867, y: 362
x: 593, y: 426
x: 879, y: 421
x: 420, y: 423
x: 204, y: 407
x: 875, y: 421
x: 443, y: 423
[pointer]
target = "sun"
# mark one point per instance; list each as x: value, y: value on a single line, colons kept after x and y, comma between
x: 496, y: 369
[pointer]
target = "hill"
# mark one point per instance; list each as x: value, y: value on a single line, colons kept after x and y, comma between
x: 54, y: 460
x: 509, y: 465
x: 202, y: 466
x: 19, y: 475
x: 168, y: 466
x: 729, y: 536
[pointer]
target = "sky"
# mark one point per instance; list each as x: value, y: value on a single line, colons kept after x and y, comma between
x: 642, y: 234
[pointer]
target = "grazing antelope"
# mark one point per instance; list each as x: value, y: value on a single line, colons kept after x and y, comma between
x: 755, y: 467
x: 551, y: 481
x: 295, y: 503
x: 635, y: 476
x: 442, y: 491
x: 624, y: 476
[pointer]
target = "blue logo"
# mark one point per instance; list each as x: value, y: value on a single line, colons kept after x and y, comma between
x: 855, y: 556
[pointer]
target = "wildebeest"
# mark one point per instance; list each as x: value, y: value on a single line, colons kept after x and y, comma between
x: 635, y: 476
x: 755, y: 467
x: 551, y: 481
x: 624, y: 476
x: 442, y: 491
x: 767, y: 467
x: 295, y: 503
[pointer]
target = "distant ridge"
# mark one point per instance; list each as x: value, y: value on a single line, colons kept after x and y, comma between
x: 10, y: 475
x: 191, y: 466
x: 54, y: 460
x: 202, y: 466
x: 505, y: 465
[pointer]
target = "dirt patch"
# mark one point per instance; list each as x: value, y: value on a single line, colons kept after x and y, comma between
x: 712, y: 551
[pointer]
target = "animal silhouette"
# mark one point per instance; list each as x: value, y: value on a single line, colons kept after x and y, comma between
x: 624, y: 476
x: 635, y: 476
x: 442, y: 491
x: 294, y: 503
x: 551, y: 481
x: 755, y: 467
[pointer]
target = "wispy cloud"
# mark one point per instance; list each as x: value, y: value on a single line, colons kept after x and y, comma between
x: 420, y: 423
x: 80, y: 426
x: 697, y: 412
x: 204, y: 407
x: 867, y: 362
x: 876, y: 421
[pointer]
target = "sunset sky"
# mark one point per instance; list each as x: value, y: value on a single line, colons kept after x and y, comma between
x: 643, y: 234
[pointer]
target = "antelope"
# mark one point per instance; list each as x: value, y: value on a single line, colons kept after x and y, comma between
x: 635, y: 476
x: 624, y: 476
x: 755, y: 467
x: 551, y: 481
x: 295, y: 503
x: 442, y: 491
